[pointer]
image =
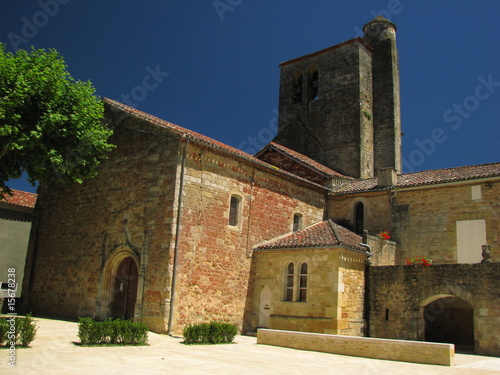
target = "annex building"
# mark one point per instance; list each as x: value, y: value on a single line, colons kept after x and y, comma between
x: 178, y: 228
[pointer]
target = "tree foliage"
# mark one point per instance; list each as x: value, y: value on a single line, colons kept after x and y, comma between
x: 50, y: 124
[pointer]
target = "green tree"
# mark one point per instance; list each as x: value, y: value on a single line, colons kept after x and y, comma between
x: 50, y: 124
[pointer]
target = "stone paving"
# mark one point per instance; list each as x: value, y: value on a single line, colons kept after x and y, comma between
x: 54, y: 352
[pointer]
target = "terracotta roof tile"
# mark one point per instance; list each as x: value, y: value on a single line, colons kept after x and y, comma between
x: 305, y: 160
x: 430, y: 177
x: 323, y: 234
x: 190, y: 135
x: 21, y: 198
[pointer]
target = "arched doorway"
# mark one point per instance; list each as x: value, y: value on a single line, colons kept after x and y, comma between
x: 450, y: 320
x: 125, y: 289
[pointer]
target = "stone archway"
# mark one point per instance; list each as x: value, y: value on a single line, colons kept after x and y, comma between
x: 121, y: 279
x: 449, y: 319
x: 125, y: 289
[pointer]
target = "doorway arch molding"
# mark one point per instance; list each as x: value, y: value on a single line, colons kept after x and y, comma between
x: 111, y: 264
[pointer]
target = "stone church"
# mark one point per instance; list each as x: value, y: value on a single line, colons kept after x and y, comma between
x: 310, y: 234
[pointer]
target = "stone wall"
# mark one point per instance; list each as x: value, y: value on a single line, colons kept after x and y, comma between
x: 84, y: 231
x: 393, y: 350
x: 130, y: 209
x: 335, y: 128
x: 377, y: 210
x: 399, y: 294
x: 335, y: 291
x: 215, y: 257
x: 424, y: 220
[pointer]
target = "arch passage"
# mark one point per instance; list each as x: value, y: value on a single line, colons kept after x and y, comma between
x: 450, y: 320
x: 125, y: 289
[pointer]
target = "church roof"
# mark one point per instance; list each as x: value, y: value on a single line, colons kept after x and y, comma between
x: 20, y: 198
x: 200, y: 139
x: 424, y: 178
x: 323, y: 234
x: 307, y: 161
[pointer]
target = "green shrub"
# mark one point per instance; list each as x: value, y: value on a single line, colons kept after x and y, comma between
x: 209, y: 333
x: 27, y: 330
x: 4, y: 328
x: 24, y: 330
x: 113, y: 332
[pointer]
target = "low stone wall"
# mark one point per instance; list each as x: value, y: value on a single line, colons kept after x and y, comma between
x: 400, y: 294
x: 394, y: 350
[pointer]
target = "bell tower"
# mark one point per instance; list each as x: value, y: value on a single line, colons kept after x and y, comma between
x: 340, y: 106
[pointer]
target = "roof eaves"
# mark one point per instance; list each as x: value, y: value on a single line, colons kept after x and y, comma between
x: 210, y: 143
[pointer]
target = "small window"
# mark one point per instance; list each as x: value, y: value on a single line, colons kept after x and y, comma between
x: 297, y: 222
x: 313, y: 84
x: 297, y: 88
x: 290, y: 274
x: 303, y: 282
x: 234, y: 211
x: 359, y: 212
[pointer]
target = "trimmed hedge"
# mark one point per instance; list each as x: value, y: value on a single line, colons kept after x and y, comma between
x: 20, y: 330
x: 209, y: 333
x: 112, y: 332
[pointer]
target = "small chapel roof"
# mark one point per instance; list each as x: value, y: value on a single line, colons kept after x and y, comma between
x: 322, y: 234
x: 424, y: 178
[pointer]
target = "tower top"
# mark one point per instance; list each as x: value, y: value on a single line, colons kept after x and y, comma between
x: 379, y: 20
x: 378, y: 29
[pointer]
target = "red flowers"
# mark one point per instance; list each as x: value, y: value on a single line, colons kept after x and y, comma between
x: 419, y: 260
x: 385, y: 235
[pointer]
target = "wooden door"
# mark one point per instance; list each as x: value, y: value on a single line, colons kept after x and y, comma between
x: 125, y: 289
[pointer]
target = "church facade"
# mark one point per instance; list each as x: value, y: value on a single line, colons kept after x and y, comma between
x: 178, y: 228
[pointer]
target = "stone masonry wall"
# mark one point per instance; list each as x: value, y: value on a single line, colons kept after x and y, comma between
x: 84, y: 230
x: 377, y: 211
x: 215, y: 258
x: 332, y: 127
x: 398, y: 295
x: 424, y: 220
x: 335, y: 291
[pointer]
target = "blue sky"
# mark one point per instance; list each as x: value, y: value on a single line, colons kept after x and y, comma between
x: 212, y: 66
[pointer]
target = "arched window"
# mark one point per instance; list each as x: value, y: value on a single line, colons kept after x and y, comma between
x: 359, y: 222
x: 297, y: 222
x: 290, y: 275
x: 297, y: 88
x: 303, y: 283
x: 313, y: 84
x: 234, y: 210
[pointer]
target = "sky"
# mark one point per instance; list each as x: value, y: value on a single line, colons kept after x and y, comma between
x: 212, y: 65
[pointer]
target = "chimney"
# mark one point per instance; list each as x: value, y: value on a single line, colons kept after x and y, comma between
x: 387, y: 177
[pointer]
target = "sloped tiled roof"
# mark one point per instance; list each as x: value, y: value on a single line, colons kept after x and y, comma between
x: 323, y: 234
x: 430, y: 177
x: 305, y: 160
x: 20, y: 198
x: 198, y: 138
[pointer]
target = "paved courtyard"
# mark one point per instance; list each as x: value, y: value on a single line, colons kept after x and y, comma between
x: 54, y: 352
